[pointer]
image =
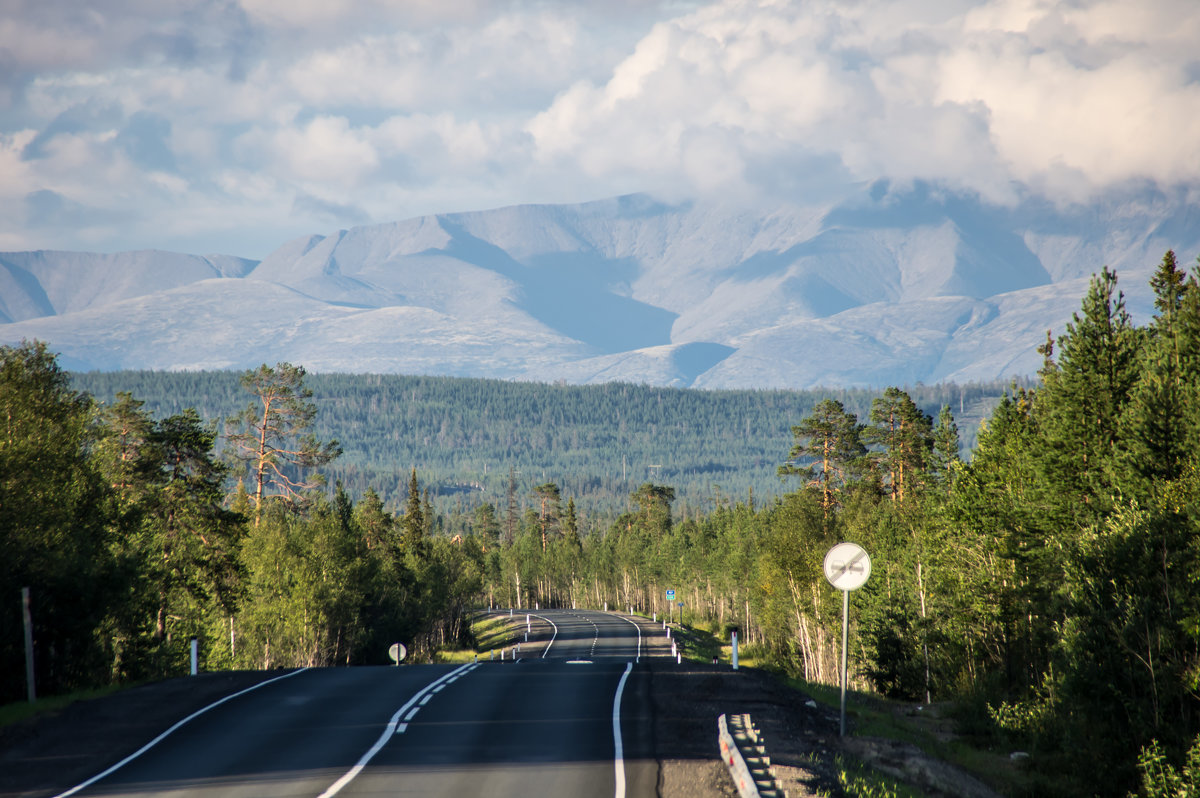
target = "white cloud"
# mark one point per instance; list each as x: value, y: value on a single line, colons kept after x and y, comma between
x: 1012, y: 90
x: 291, y: 113
x: 325, y: 150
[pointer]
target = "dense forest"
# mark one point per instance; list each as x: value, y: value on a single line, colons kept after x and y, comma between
x: 1046, y: 585
x: 598, y: 443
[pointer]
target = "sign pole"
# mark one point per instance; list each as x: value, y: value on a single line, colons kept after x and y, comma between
x: 847, y: 568
x: 845, y: 636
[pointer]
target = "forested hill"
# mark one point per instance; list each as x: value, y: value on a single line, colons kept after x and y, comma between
x: 598, y: 443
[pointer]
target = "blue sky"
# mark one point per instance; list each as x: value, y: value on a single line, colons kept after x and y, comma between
x: 229, y: 126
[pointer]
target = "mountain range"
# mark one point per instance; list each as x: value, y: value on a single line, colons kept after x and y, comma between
x: 883, y: 286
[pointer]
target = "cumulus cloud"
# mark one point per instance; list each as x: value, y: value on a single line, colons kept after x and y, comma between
x: 262, y: 119
x: 1067, y: 98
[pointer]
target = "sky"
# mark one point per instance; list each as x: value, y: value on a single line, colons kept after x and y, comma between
x: 231, y: 126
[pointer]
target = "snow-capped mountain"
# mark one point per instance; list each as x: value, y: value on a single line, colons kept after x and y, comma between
x: 887, y: 287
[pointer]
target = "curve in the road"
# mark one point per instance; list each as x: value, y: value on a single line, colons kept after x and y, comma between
x: 168, y: 732
x: 423, y: 694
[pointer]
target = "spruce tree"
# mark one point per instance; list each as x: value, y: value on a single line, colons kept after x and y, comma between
x: 1083, y: 398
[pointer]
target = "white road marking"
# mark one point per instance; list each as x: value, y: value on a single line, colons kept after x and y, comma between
x: 428, y: 696
x: 403, y: 727
x: 639, y: 631
x: 350, y: 775
x: 553, y: 637
x: 619, y: 762
x: 412, y: 714
x: 163, y: 736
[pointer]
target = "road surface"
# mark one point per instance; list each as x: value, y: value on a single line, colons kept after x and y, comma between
x: 569, y: 717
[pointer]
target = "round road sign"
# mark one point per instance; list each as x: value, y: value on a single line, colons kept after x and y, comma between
x: 397, y: 652
x: 847, y: 566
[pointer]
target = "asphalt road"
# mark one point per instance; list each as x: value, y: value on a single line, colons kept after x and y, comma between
x: 570, y: 716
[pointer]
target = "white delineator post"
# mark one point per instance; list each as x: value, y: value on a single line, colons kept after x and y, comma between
x: 195, y: 657
x: 733, y: 642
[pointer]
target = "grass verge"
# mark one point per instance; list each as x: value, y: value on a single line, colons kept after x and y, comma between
x: 20, y: 710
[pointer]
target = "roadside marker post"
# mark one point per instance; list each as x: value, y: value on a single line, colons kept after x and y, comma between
x: 847, y: 567
x: 195, y: 657
x: 27, y: 621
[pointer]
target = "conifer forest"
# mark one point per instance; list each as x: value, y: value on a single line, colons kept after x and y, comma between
x: 1035, y: 546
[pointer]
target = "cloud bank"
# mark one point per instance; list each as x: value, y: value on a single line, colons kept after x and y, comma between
x: 206, y: 126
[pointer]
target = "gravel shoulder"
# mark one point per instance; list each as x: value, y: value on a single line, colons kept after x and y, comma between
x: 801, y: 739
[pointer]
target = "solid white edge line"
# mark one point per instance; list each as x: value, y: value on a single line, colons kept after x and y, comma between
x: 553, y: 637
x: 639, y: 631
x: 163, y: 736
x: 349, y: 775
x: 619, y: 760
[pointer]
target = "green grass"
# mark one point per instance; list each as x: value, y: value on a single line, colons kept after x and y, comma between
x: 20, y: 710
x: 860, y: 781
x: 871, y: 715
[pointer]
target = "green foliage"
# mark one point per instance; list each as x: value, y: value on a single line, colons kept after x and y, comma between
x: 597, y: 442
x: 54, y: 535
x: 1051, y: 580
x: 271, y: 437
x: 858, y: 781
x: 1161, y: 779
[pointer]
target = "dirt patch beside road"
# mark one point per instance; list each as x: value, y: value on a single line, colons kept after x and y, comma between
x: 800, y: 739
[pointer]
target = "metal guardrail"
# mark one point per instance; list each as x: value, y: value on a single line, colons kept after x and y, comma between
x: 745, y: 754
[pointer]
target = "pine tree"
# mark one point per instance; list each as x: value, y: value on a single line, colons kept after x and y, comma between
x: 272, y: 437
x: 549, y: 497
x: 906, y: 435
x: 827, y: 450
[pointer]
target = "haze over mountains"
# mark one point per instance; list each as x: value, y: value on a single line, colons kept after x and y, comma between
x: 880, y: 287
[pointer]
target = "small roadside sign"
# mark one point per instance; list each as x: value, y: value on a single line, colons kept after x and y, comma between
x: 670, y: 595
x: 847, y: 566
x: 397, y: 652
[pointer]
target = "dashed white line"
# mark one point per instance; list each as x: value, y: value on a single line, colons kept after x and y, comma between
x: 350, y: 775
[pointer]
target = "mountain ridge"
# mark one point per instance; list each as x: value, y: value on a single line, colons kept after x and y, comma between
x: 885, y: 286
